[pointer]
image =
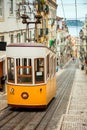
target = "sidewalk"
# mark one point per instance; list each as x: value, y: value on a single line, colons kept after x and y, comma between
x: 3, y: 100
x: 76, y: 114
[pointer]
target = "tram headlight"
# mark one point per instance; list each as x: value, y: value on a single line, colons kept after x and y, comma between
x: 12, y: 90
x: 24, y: 95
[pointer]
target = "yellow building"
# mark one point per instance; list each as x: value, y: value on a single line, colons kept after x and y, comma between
x: 52, y: 22
x: 46, y: 30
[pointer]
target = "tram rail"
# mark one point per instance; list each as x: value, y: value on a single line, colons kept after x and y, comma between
x: 27, y: 119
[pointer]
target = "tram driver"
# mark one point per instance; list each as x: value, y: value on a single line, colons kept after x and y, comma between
x: 11, y: 74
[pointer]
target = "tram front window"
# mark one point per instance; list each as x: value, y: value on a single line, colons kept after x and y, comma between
x: 39, y: 70
x: 24, y: 70
x: 10, y: 68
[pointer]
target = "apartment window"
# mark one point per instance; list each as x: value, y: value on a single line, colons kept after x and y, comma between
x: 1, y: 8
x: 18, y: 37
x: 2, y: 38
x: 11, y: 7
x: 44, y: 23
x: 12, y: 38
x: 24, y: 34
x: 30, y: 34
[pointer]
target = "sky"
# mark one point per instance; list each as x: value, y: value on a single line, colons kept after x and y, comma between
x: 72, y: 9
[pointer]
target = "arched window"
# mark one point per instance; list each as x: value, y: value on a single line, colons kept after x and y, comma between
x: 11, y: 6
x: 1, y: 9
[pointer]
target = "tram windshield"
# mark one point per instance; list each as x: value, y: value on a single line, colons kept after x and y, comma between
x: 24, y: 70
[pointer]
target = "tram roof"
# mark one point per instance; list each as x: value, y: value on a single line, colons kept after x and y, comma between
x: 25, y: 46
x: 30, y: 44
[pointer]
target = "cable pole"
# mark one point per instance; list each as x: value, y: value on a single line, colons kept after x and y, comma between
x: 63, y: 10
x: 76, y: 17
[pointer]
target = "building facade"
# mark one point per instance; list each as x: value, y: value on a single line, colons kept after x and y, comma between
x: 12, y: 30
x: 24, y: 21
x: 63, y: 42
x: 11, y: 27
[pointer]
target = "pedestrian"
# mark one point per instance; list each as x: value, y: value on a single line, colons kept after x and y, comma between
x: 86, y: 65
x: 3, y: 79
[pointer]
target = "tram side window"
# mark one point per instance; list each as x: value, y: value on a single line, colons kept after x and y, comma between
x: 10, y: 69
x: 24, y: 70
x: 39, y: 70
x: 48, y: 66
x: 51, y: 67
x: 54, y: 65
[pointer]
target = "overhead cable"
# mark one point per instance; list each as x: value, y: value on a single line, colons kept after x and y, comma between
x: 63, y: 10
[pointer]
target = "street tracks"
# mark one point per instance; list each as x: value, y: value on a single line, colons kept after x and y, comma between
x: 40, y: 119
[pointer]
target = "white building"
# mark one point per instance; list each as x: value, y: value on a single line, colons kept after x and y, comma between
x: 12, y: 30
x: 62, y: 33
x: 11, y: 27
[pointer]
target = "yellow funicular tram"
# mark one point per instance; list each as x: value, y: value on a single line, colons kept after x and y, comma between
x: 31, y: 75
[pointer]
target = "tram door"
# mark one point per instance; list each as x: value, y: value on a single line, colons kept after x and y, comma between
x: 1, y: 73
